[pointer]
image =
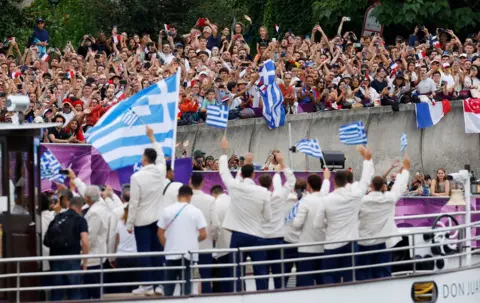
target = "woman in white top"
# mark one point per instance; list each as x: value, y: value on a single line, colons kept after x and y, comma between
x: 472, y: 81
x: 125, y: 245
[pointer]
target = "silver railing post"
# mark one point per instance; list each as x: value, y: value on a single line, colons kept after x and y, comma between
x: 353, y: 261
x: 242, y: 269
x: 282, y: 263
x: 101, y: 278
x: 192, y: 272
x: 18, y: 282
x: 183, y: 285
x: 234, y: 272
x: 413, y: 255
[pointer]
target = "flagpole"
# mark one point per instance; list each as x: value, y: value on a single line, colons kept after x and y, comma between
x: 290, y: 154
x: 174, y: 141
x: 322, y: 160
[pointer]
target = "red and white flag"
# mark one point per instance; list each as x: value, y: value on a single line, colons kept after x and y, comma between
x: 70, y: 74
x: 15, y: 74
x: 117, y: 39
x: 120, y: 95
x: 44, y: 57
x: 421, y: 55
x: 471, y: 115
x: 435, y: 42
x: 277, y: 28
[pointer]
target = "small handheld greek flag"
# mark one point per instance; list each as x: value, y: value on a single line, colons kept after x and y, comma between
x: 353, y: 133
x: 50, y: 168
x: 403, y: 142
x: 217, y: 115
x: 293, y: 213
x: 310, y: 147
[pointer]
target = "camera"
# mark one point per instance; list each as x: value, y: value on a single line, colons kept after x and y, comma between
x: 63, y: 172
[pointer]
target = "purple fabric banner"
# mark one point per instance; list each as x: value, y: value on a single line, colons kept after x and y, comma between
x: 90, y: 167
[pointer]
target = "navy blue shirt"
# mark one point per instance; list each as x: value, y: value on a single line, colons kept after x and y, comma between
x: 41, y: 34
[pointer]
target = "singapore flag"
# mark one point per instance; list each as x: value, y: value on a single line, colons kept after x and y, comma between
x: 471, y: 114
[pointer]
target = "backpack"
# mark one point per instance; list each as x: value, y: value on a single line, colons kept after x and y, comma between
x: 60, y: 236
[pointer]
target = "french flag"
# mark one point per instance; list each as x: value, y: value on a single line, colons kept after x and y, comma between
x: 70, y: 74
x: 116, y: 39
x: 226, y: 98
x: 189, y: 83
x: 15, y: 75
x: 277, y: 28
x: 44, y: 57
x: 120, y: 95
x: 430, y: 113
x: 165, y: 26
x: 471, y: 115
x: 421, y: 55
x: 393, y: 68
x: 435, y: 42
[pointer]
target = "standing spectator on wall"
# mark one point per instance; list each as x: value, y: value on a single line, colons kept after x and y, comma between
x: 180, y: 228
x: 67, y: 234
x: 40, y: 36
x: 146, y: 200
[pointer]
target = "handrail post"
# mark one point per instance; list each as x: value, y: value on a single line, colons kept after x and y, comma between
x: 353, y: 260
x: 101, y: 278
x: 242, y: 269
x: 282, y: 262
x: 192, y: 273
x: 18, y: 282
x: 183, y: 285
x: 413, y: 255
x: 234, y: 272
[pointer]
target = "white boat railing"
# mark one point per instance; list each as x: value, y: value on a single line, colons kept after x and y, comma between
x: 14, y: 280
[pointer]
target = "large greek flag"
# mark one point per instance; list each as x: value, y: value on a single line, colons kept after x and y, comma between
x: 272, y: 97
x: 353, y: 133
x: 120, y: 134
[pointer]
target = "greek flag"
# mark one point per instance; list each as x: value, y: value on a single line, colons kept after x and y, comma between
x: 50, y: 168
x: 403, y: 142
x: 119, y: 135
x: 272, y: 97
x: 353, y: 134
x: 310, y: 147
x: 217, y: 115
x: 293, y: 213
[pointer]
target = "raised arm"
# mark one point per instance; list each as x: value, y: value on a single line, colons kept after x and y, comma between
x: 401, y: 181
x: 360, y: 188
x: 79, y: 184
x: 223, y: 169
x: 326, y: 183
x: 160, y: 162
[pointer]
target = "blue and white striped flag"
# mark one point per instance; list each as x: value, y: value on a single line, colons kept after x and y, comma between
x: 217, y: 115
x: 119, y: 135
x: 293, y: 213
x: 273, y: 110
x: 353, y: 134
x: 50, y: 168
x: 310, y: 147
x: 403, y: 142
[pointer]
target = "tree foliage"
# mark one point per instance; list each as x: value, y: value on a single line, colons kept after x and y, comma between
x: 329, y: 13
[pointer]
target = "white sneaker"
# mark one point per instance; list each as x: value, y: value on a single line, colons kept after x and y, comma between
x: 159, y: 291
x: 140, y: 291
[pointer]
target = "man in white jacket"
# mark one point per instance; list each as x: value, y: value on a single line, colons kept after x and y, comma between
x: 340, y: 211
x: 307, y: 210
x: 146, y: 200
x: 249, y: 209
x: 273, y: 230
x: 376, y: 216
x: 170, y: 191
x: 206, y: 204
x: 222, y: 203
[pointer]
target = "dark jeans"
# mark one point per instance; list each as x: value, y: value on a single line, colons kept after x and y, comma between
x: 58, y: 280
x: 309, y: 265
x: 205, y: 273
x: 223, y: 272
x: 274, y: 255
x: 92, y: 292
x: 290, y: 253
x: 126, y: 276
x: 339, y: 262
x: 176, y: 274
x: 373, y: 259
x: 244, y: 240
x: 147, y: 241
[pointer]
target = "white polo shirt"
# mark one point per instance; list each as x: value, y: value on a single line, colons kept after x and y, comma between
x: 182, y: 234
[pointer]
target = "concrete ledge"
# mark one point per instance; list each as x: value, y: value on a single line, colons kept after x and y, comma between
x: 444, y: 145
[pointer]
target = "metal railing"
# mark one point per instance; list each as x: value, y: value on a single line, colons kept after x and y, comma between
x: 17, y: 287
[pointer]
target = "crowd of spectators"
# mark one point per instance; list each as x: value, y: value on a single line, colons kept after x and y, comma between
x: 81, y: 81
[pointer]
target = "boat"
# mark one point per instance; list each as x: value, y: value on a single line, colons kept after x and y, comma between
x: 439, y: 263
